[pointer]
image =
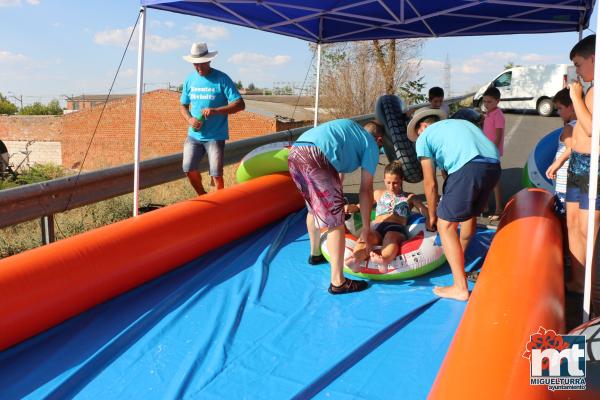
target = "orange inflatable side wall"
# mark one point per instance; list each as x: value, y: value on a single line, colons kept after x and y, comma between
x: 45, y: 286
x: 519, y: 289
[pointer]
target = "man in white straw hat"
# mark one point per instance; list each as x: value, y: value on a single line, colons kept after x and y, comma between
x: 207, y: 98
x: 459, y: 147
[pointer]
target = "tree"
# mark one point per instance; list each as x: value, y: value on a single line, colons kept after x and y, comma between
x: 411, y: 91
x: 397, y: 61
x: 251, y: 87
x: 355, y: 74
x: 37, y: 108
x: 6, y: 107
x: 54, y: 108
x: 239, y: 85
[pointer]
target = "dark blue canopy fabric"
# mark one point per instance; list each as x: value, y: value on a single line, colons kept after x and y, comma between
x: 329, y: 21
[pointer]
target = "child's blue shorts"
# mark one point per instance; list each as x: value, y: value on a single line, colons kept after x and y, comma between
x: 466, y: 191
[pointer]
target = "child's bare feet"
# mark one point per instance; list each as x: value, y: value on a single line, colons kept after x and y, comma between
x: 380, y: 261
x: 452, y: 292
x: 359, y: 255
x: 383, y: 268
x: 352, y: 263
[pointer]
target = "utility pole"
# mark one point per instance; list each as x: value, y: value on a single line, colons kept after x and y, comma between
x: 19, y: 99
x: 447, y: 75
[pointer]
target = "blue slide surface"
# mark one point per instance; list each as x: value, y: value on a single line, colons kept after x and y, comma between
x: 250, y: 321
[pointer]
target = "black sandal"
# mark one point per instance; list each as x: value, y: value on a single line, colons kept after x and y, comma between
x: 316, y: 260
x: 349, y: 286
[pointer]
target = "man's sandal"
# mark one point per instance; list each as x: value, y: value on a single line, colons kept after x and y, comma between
x: 316, y: 260
x: 349, y: 286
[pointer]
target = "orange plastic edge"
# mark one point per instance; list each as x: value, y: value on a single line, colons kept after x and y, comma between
x: 519, y: 289
x: 45, y: 286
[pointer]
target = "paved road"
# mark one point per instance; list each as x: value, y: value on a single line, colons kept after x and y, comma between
x: 522, y: 133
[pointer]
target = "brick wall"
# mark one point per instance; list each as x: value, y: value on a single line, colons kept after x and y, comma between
x: 37, y: 137
x: 245, y: 125
x: 31, y: 127
x: 163, y: 130
x: 113, y: 141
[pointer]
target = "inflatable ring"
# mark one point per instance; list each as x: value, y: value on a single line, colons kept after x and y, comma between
x: 419, y: 255
x: 396, y: 144
x: 591, y: 331
x: 542, y: 156
x: 264, y: 160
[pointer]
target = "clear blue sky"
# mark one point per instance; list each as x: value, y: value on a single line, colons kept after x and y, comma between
x: 68, y: 47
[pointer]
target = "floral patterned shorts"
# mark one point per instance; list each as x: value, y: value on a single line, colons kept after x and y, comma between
x: 319, y: 183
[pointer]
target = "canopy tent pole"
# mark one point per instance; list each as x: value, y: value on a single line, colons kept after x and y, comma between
x: 138, y: 113
x: 580, y: 33
x: 316, y: 120
x: 593, y: 190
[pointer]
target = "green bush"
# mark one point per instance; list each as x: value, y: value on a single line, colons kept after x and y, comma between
x: 37, y: 108
x: 40, y: 173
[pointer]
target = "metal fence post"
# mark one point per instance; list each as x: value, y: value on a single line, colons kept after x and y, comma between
x: 47, y: 225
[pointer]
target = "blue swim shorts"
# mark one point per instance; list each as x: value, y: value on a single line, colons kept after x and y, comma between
x: 466, y: 191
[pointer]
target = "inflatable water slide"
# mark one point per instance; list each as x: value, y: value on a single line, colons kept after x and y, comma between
x: 212, y: 298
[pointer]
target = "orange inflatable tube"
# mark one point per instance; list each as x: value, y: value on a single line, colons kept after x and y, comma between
x: 45, y: 286
x: 519, y: 289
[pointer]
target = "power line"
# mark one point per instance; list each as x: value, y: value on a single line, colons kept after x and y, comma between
x: 98, y: 122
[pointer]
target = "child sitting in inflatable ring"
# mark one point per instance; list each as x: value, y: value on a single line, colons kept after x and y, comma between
x: 389, y: 230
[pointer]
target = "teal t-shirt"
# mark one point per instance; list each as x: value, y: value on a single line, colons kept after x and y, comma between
x: 345, y: 144
x: 453, y: 142
x: 214, y: 90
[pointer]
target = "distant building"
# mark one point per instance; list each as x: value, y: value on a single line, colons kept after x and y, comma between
x: 87, y: 101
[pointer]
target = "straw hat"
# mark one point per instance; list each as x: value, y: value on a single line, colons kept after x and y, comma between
x: 199, y: 54
x: 418, y: 116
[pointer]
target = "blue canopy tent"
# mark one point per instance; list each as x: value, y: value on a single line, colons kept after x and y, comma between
x: 328, y: 21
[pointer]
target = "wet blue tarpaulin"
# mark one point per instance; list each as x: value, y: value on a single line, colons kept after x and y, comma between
x: 250, y: 320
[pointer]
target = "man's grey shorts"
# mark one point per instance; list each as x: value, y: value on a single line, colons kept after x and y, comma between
x: 194, y: 150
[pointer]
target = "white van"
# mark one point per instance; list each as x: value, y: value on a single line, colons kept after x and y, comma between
x: 530, y: 87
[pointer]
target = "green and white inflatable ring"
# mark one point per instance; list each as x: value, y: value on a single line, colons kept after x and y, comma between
x: 419, y: 255
x: 264, y: 160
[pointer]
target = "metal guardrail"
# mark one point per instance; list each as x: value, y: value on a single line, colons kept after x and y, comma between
x: 44, y: 199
